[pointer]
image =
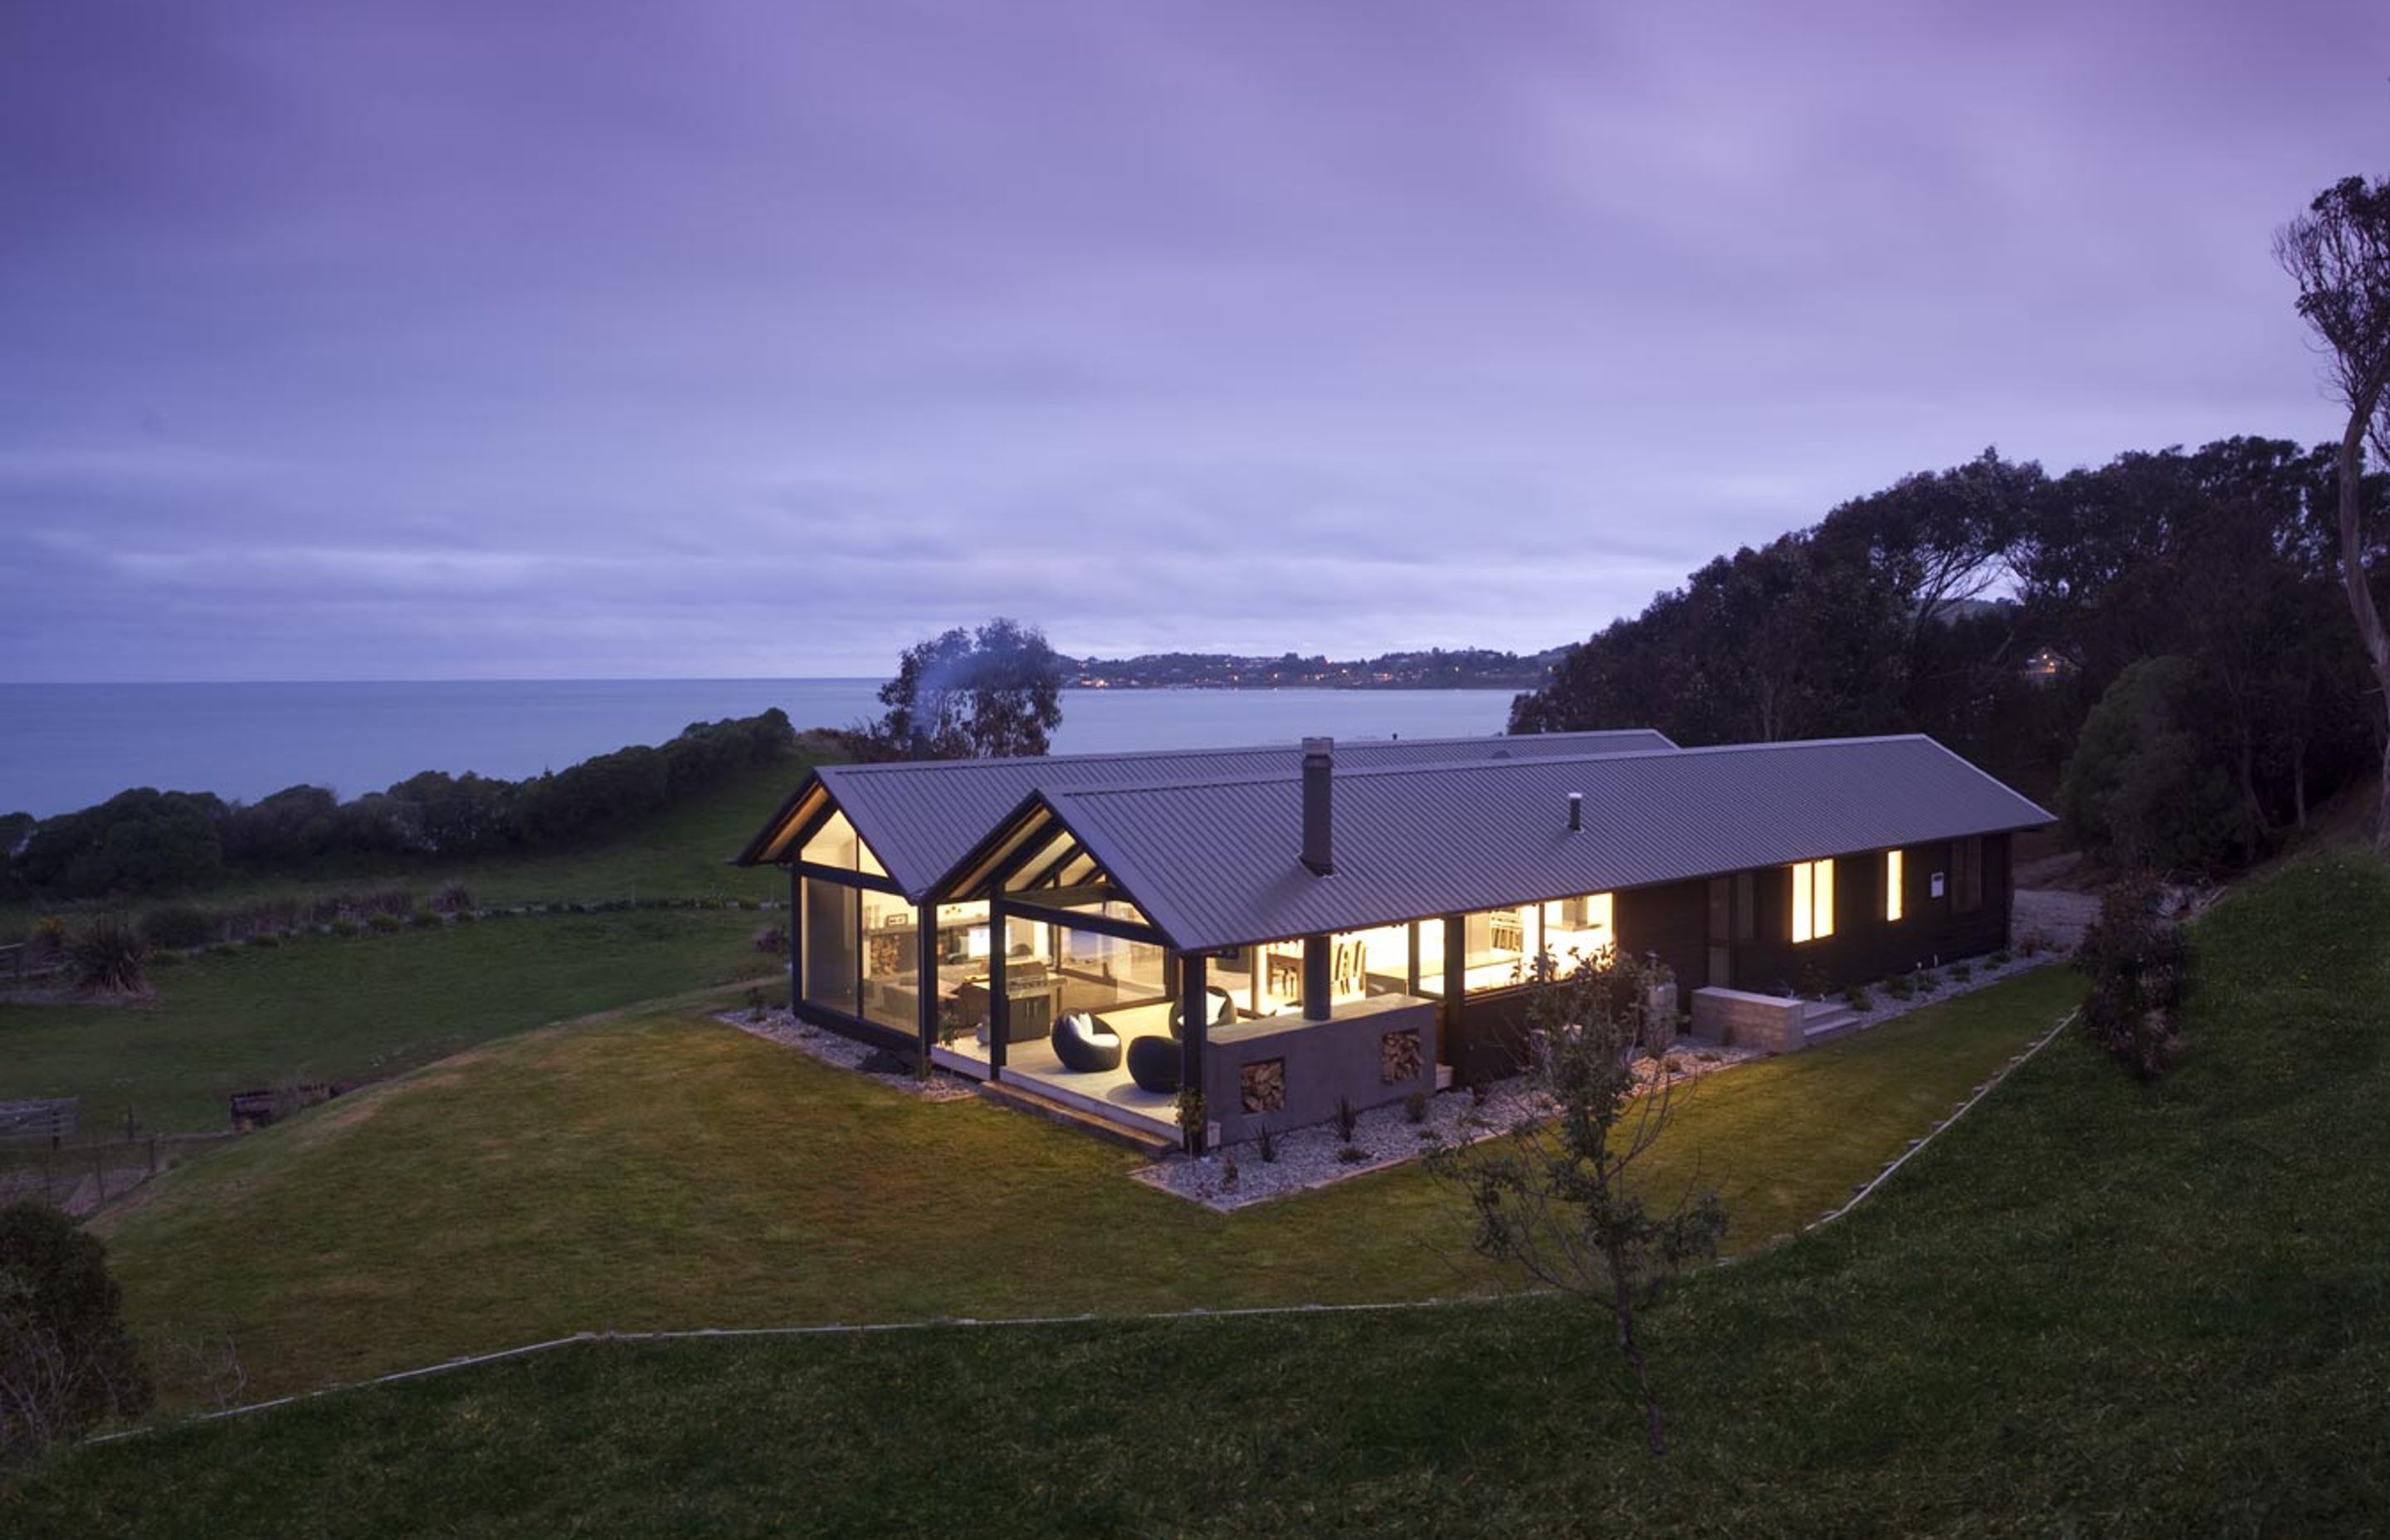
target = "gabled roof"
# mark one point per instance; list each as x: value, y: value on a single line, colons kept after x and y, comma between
x: 921, y: 817
x: 1212, y: 863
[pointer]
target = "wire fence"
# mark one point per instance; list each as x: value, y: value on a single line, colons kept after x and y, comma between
x: 48, y: 1151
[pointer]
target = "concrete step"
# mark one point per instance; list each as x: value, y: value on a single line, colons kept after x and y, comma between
x: 1061, y: 1109
x: 1827, y: 1022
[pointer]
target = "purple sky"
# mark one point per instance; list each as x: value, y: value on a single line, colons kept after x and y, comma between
x: 442, y: 340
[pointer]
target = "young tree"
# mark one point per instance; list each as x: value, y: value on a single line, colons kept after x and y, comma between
x: 2137, y: 965
x: 1553, y: 1194
x: 2338, y: 252
x: 991, y: 694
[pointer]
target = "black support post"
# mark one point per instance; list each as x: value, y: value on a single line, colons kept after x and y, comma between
x: 1318, y: 977
x: 1455, y: 989
x: 796, y: 939
x: 1000, y: 1003
x: 925, y: 960
x: 1195, y: 1016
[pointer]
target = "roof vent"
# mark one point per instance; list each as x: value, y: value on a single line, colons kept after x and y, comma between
x: 1318, y: 778
x: 1576, y: 810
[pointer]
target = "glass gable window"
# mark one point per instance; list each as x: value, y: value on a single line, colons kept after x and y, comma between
x: 1813, y: 900
x: 834, y: 844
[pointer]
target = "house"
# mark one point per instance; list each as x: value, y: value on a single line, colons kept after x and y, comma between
x: 1273, y: 929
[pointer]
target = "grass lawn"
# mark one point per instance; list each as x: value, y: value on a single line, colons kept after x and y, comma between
x: 663, y: 1170
x: 2091, y: 1308
x: 321, y: 1007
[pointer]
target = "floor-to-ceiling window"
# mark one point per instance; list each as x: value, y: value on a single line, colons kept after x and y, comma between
x: 829, y: 946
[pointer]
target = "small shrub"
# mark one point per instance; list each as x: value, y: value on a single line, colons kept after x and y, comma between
x: 425, y: 919
x: 1901, y: 987
x: 397, y: 903
x: 107, y: 955
x: 2137, y: 966
x: 266, y: 939
x: 754, y: 1004
x: 465, y: 916
x: 1346, y: 1119
x: 177, y: 925
x: 1352, y: 1154
x: 769, y: 939
x: 453, y: 898
x: 1266, y: 1143
x: 66, y: 1361
x: 1415, y: 1107
x: 2032, y: 945
x: 1228, y: 1172
x: 1709, y: 1056
x: 1477, y: 1091
x: 2001, y: 959
x: 384, y: 921
x: 344, y: 926
x: 880, y: 1061
x: 1962, y: 972
x: 1190, y: 1108
x: 1858, y: 998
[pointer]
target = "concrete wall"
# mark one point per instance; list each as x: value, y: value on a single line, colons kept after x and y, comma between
x: 1324, y: 1060
x: 1742, y: 1020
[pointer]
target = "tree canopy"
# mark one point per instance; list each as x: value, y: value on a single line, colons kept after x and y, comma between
x: 991, y: 693
x: 1919, y: 608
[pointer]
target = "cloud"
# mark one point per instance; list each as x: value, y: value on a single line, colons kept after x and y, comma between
x: 402, y: 341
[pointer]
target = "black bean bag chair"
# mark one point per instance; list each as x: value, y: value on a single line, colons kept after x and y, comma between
x: 1223, y: 1009
x: 1083, y: 1046
x: 1153, y: 1064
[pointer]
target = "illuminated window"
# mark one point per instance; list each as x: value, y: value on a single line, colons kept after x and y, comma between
x: 1813, y: 900
x: 1892, y: 876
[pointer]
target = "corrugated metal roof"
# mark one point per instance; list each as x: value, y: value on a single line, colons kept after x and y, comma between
x: 921, y: 817
x: 1214, y: 864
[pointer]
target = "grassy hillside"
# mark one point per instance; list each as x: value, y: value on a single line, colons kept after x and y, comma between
x: 321, y: 1007
x: 663, y: 1170
x: 2091, y: 1308
x: 366, y: 1006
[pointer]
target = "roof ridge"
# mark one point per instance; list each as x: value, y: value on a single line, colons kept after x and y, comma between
x: 1295, y: 746
x: 1501, y: 762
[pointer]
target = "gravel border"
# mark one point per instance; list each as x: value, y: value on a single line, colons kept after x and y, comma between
x: 844, y: 1053
x: 1983, y: 974
x: 1312, y: 1158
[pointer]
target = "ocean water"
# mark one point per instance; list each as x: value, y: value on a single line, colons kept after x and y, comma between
x: 67, y: 746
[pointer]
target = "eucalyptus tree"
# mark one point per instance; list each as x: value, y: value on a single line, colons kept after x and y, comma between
x: 2338, y: 252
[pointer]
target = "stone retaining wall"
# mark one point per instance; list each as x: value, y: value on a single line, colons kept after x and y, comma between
x: 1747, y: 1020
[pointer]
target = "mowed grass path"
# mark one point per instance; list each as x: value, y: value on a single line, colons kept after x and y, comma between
x: 2091, y: 1308
x: 667, y: 1170
x: 323, y: 1007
